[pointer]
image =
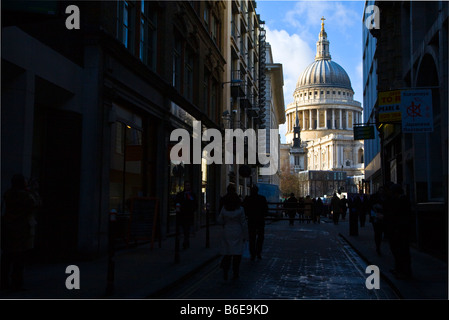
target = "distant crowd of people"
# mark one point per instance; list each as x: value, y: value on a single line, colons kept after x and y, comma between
x: 307, y: 209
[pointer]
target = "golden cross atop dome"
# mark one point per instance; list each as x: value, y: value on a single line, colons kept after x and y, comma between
x: 322, y: 23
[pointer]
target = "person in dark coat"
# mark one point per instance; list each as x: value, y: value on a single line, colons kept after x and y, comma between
x: 397, y: 218
x: 308, y: 207
x: 291, y: 205
x: 301, y: 207
x: 318, y: 210
x: 354, y: 211
x: 18, y: 232
x: 336, y: 208
x: 364, y: 209
x: 377, y: 217
x: 256, y: 208
x: 186, y: 205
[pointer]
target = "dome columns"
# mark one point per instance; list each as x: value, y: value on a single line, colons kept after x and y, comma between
x: 319, y: 118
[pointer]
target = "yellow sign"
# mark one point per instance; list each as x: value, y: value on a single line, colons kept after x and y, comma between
x: 390, y: 106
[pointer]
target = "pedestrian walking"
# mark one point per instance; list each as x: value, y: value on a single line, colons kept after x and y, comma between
x: 364, y: 209
x: 18, y: 232
x: 256, y: 208
x: 308, y: 206
x: 313, y: 209
x: 319, y: 210
x: 336, y: 208
x: 186, y: 205
x: 376, y: 217
x: 291, y: 206
x: 235, y: 232
x: 397, y: 218
x: 301, y: 209
x: 354, y: 211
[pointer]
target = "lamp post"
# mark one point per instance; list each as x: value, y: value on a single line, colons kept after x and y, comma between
x: 233, y: 81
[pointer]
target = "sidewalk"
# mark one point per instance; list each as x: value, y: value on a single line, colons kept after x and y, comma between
x: 139, y: 272
x: 430, y: 275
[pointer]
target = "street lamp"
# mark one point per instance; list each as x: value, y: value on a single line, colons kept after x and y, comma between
x: 233, y: 81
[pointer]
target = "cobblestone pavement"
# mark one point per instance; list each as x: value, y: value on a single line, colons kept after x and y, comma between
x: 304, y: 261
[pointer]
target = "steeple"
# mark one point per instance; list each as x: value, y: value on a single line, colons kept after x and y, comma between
x: 322, y: 45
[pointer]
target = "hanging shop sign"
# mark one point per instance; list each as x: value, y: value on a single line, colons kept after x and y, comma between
x: 363, y: 132
x: 416, y: 108
x: 390, y: 106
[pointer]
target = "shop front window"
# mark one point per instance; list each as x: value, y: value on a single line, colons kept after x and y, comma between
x: 126, y: 166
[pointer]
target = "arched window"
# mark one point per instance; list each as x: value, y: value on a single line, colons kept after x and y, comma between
x: 360, y: 155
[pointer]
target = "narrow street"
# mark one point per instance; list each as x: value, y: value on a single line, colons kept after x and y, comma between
x: 304, y: 261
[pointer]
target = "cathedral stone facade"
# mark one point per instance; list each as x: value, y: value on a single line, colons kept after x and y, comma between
x: 324, y: 113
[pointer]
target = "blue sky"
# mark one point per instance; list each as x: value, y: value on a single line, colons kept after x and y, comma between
x: 293, y: 28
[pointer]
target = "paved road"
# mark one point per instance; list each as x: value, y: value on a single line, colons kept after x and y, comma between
x: 304, y: 261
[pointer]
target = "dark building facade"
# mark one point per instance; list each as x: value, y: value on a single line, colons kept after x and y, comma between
x: 88, y: 112
x: 411, y: 52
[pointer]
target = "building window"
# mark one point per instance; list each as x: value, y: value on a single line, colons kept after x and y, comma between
x: 206, y: 16
x: 188, y: 74
x: 361, y: 160
x: 213, y: 100
x: 177, y: 50
x: 297, y: 162
x: 215, y: 30
x: 126, y: 179
x: 206, y: 89
x: 125, y: 24
x: 148, y: 35
x: 327, y: 92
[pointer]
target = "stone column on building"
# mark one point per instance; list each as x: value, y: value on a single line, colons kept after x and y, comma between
x: 325, y: 118
x: 303, y: 120
x: 342, y: 152
x: 310, y: 119
x: 333, y: 118
x: 347, y: 119
x: 317, y: 118
x: 340, y: 127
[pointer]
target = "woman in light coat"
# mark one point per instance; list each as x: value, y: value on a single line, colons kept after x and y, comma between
x: 235, y: 232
